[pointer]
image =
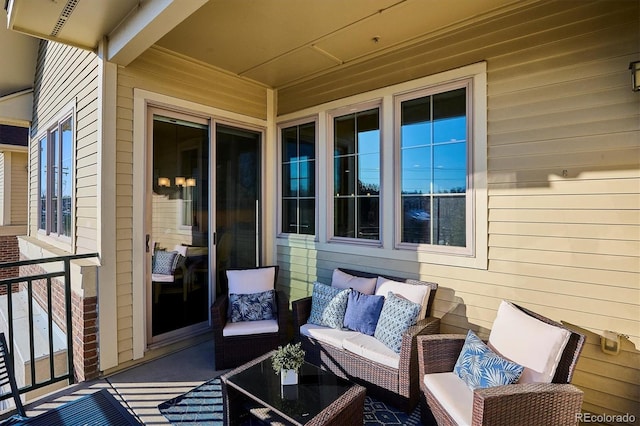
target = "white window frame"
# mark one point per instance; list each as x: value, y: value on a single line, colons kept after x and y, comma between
x: 467, y: 249
x: 281, y: 233
x: 339, y: 112
x: 53, y: 235
x: 476, y: 255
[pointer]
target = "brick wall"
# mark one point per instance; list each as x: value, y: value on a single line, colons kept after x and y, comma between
x: 9, y: 252
x: 84, y: 317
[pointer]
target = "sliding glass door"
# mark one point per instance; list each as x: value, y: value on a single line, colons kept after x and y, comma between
x: 178, y: 238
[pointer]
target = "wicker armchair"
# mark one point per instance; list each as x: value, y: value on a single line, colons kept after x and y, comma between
x: 237, y: 348
x: 555, y: 403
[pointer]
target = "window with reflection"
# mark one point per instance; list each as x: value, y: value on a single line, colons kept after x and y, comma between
x: 434, y: 168
x: 56, y: 179
x: 356, y: 175
x: 298, y: 171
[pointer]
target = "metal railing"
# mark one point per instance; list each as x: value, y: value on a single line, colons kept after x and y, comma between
x: 9, y: 287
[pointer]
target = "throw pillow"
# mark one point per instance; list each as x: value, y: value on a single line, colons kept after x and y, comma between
x: 396, y: 317
x: 252, y: 307
x: 163, y: 262
x: 414, y: 292
x: 341, y: 279
x: 328, y: 305
x: 479, y: 367
x: 362, y: 312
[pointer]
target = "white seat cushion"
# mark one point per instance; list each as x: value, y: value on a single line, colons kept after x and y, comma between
x: 536, y: 345
x: 453, y: 394
x: 245, y: 328
x: 415, y: 293
x: 162, y: 278
x: 332, y: 336
x: 371, y: 348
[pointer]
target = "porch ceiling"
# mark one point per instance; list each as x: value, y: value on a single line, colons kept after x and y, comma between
x: 273, y: 42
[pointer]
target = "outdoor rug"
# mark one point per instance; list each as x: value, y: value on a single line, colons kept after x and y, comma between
x: 203, y: 406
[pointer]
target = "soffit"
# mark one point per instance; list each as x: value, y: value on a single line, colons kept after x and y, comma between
x: 81, y: 23
x: 276, y: 43
x: 280, y: 42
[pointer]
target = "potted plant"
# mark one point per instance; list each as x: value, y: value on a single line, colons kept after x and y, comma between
x: 286, y: 361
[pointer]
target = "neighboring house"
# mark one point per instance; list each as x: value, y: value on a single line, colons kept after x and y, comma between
x: 14, y: 141
x: 492, y: 148
x: 18, y: 54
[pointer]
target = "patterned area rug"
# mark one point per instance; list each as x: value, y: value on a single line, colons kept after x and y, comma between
x: 203, y: 406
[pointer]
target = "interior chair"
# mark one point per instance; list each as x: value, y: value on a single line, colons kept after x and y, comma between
x: 168, y: 272
x: 8, y: 385
x: 251, y: 318
x: 521, y: 376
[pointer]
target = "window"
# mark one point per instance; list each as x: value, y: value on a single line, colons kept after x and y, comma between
x: 56, y: 179
x: 298, y: 179
x: 356, y: 175
x: 434, y: 165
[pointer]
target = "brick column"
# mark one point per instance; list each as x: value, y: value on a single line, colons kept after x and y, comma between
x: 9, y: 252
x: 84, y: 317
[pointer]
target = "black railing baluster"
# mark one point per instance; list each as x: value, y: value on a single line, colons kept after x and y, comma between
x: 48, y: 277
x: 52, y: 374
x: 32, y: 349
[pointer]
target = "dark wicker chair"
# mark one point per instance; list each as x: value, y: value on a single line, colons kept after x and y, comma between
x: 398, y: 387
x: 556, y: 403
x: 232, y: 351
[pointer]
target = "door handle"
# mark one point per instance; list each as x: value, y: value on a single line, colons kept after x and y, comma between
x: 147, y: 243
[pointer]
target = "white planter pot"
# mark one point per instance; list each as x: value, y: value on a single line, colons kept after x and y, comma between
x: 288, y: 377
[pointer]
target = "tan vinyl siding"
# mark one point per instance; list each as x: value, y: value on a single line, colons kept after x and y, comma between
x: 162, y: 73
x: 19, y: 188
x: 563, y: 181
x: 68, y: 81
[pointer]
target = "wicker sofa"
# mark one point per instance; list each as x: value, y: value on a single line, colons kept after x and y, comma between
x: 399, y: 385
x: 534, y: 399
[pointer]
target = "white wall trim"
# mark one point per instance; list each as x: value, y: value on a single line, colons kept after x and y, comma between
x: 106, y: 212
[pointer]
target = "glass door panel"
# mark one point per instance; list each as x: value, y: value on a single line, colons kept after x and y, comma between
x: 237, y: 195
x: 179, y: 234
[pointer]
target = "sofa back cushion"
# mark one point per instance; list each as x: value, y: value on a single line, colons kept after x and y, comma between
x: 412, y: 292
x: 341, y: 279
x: 250, y: 281
x: 529, y: 342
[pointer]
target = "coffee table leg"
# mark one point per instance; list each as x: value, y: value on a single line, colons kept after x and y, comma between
x: 232, y: 403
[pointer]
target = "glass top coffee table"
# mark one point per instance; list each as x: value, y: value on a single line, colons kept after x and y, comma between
x: 319, y: 398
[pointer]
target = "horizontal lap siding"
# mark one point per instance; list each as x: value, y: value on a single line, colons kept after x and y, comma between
x: 160, y: 72
x: 19, y: 188
x: 563, y: 181
x: 69, y: 79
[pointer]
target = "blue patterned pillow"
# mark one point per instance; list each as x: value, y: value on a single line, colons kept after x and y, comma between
x: 479, y: 367
x: 328, y: 305
x: 396, y: 317
x: 163, y: 262
x: 252, y: 307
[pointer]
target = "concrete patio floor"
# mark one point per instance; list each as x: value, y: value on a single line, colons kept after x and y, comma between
x: 142, y: 388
